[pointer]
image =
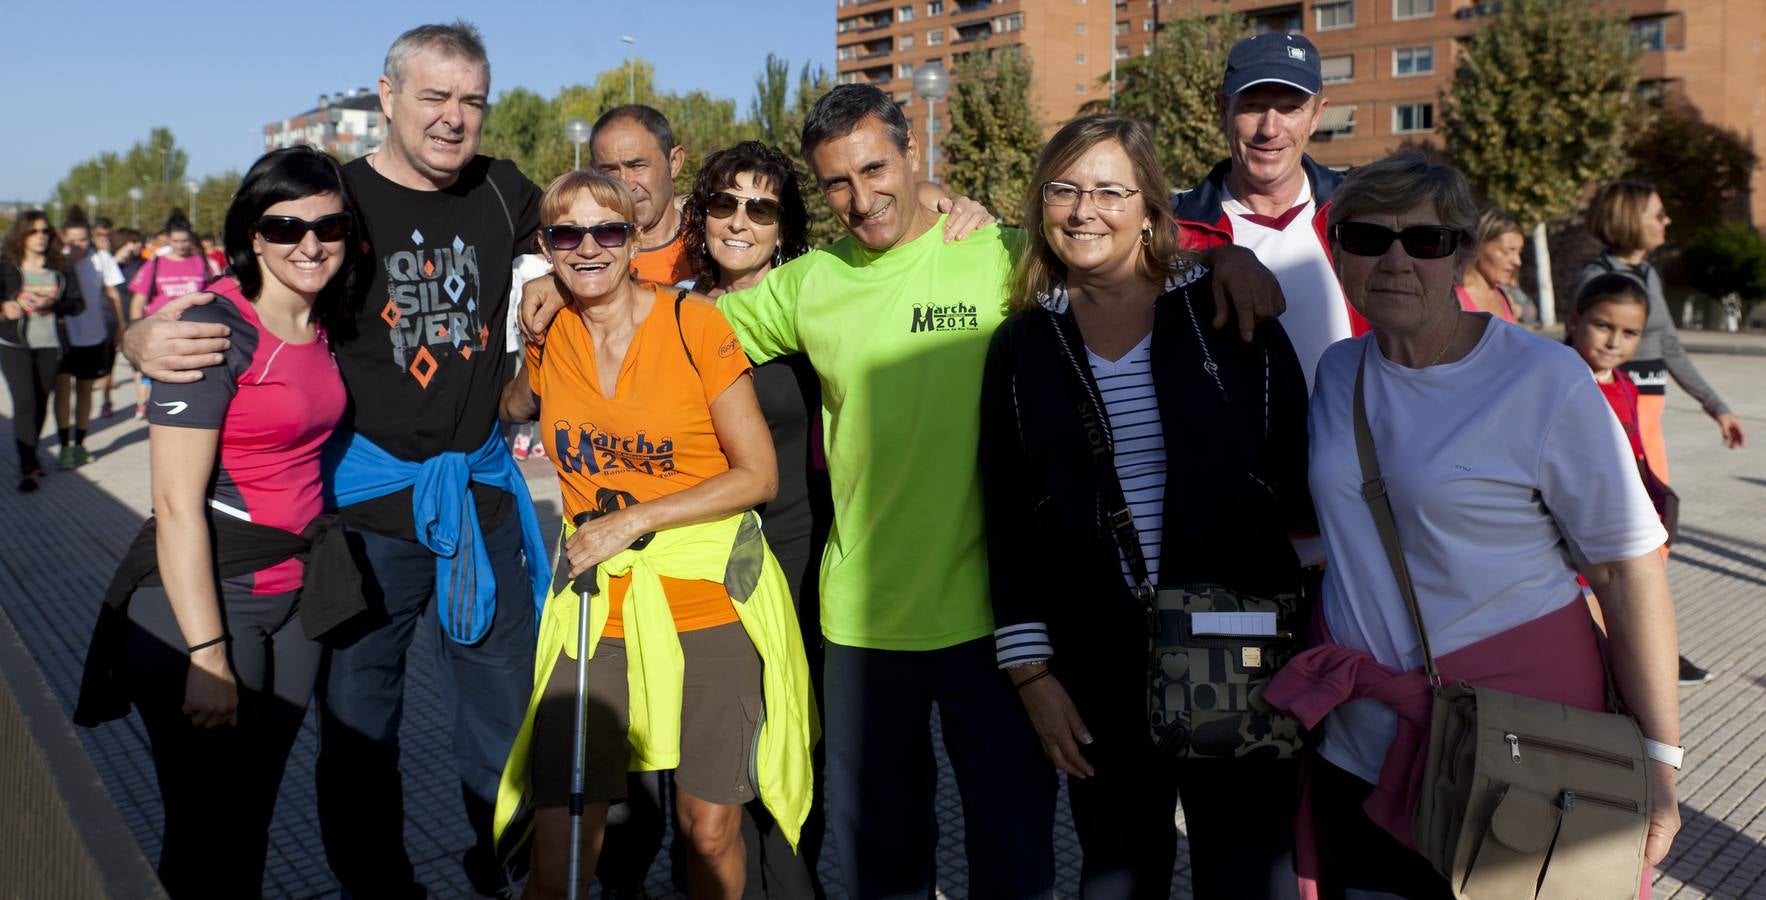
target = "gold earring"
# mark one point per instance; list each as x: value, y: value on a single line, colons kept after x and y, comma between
x: 1146, y: 236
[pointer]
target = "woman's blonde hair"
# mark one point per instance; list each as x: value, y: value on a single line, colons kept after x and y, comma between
x: 1615, y: 215
x: 1038, y: 268
x: 604, y: 189
x: 1494, y: 223
x: 1400, y: 182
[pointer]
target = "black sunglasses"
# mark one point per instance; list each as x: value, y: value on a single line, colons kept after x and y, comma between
x: 1420, y: 241
x: 570, y: 237
x: 290, y: 230
x: 761, y: 210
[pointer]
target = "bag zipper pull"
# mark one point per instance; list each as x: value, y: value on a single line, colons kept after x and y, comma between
x: 1514, y: 747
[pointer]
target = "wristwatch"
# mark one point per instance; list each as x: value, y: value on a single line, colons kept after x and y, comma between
x: 1664, y: 753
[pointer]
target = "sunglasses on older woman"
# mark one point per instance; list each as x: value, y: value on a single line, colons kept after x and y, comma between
x: 569, y: 237
x: 1420, y: 241
x: 761, y: 210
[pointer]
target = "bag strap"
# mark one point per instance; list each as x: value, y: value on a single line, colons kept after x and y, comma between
x: 679, y: 299
x: 152, y: 279
x: 1373, y: 490
x: 1117, y: 516
x: 502, y: 203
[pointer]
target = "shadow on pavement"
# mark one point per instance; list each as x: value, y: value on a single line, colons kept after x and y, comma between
x: 1703, y: 841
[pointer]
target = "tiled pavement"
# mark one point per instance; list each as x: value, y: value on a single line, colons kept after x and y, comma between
x: 61, y: 544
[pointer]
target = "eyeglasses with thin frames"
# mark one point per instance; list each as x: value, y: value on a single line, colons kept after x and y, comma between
x: 1108, y: 199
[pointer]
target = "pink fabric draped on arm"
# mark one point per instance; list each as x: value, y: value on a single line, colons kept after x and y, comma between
x: 1554, y: 657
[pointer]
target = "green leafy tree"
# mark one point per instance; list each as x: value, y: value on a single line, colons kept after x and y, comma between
x: 156, y: 165
x: 1173, y: 89
x: 1542, y: 104
x: 519, y: 127
x: 772, y: 94
x: 1700, y: 169
x: 991, y: 149
x: 1728, y: 260
x: 812, y: 82
x: 702, y: 123
x: 213, y: 195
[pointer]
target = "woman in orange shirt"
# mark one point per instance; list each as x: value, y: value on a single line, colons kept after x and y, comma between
x: 646, y: 399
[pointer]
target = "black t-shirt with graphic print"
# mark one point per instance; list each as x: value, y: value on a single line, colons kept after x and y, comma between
x: 426, y: 361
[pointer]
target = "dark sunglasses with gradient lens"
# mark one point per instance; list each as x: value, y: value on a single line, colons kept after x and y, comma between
x: 570, y: 237
x: 290, y: 230
x: 1420, y: 241
x: 761, y: 210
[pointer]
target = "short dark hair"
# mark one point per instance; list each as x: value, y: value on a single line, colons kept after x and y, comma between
x: 291, y: 174
x: 101, y: 222
x: 719, y: 173
x: 841, y: 110
x: 648, y: 116
x: 1613, y: 287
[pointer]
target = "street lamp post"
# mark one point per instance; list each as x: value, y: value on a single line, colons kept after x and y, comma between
x: 92, y: 205
x: 577, y: 130
x: 931, y: 83
x: 135, y: 208
x: 631, y: 71
x: 190, y: 185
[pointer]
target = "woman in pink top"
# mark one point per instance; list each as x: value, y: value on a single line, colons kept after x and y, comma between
x: 180, y: 270
x: 1488, y: 283
x: 218, y: 667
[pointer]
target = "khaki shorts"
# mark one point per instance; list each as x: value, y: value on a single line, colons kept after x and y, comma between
x: 720, y: 718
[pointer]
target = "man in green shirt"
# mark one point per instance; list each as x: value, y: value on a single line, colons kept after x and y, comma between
x: 896, y: 323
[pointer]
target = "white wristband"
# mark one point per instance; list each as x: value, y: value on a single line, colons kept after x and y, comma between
x: 1664, y: 753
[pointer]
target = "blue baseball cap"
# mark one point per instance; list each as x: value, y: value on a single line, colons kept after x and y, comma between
x: 1273, y: 56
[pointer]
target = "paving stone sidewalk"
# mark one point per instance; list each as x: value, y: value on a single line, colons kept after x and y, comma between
x: 63, y: 542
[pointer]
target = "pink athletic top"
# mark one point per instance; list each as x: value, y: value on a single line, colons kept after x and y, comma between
x: 275, y: 404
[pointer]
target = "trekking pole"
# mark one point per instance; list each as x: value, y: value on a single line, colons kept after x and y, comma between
x: 585, y: 587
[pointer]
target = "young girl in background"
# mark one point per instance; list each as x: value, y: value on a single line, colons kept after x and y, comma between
x: 1605, y: 328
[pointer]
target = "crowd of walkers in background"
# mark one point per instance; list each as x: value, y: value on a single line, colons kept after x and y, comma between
x: 812, y: 494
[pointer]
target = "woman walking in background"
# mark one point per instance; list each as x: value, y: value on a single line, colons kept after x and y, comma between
x: 37, y: 288
x: 1628, y: 218
x: 1489, y: 282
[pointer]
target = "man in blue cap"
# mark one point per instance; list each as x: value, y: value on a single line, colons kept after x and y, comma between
x: 1268, y: 196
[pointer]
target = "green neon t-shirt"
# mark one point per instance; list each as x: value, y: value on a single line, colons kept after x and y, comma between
x: 899, y: 339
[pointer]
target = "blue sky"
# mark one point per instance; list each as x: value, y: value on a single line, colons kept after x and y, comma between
x: 84, y: 78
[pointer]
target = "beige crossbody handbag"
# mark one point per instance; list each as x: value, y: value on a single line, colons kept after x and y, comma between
x: 1520, y: 797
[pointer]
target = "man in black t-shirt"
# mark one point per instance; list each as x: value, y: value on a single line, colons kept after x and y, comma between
x: 424, y: 362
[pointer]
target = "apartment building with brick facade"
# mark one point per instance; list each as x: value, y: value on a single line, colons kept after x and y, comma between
x: 1385, y: 61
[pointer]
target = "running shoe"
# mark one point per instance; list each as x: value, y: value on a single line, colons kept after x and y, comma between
x: 27, y: 484
x: 521, y: 444
x: 105, y: 410
x: 140, y: 410
x: 64, y: 458
x: 81, y: 457
x: 1691, y: 674
x: 539, y: 450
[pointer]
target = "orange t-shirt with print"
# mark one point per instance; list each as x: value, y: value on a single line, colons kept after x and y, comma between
x: 652, y: 438
x: 667, y: 264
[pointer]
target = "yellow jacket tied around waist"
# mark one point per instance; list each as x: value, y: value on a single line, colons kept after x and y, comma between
x: 733, y: 553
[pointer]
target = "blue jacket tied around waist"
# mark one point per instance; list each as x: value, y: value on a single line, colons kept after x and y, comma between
x: 446, y: 520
